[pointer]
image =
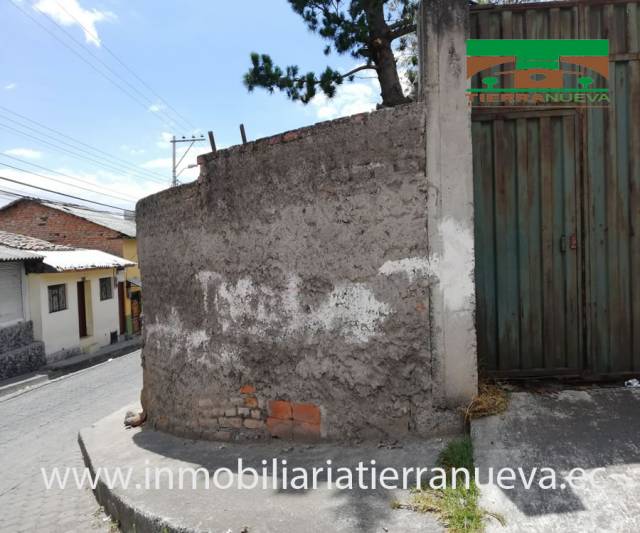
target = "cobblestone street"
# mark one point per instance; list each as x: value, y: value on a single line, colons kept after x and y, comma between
x: 39, y: 429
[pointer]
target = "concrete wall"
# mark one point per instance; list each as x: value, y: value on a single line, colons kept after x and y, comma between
x: 318, y: 284
x: 443, y: 27
x: 60, y: 330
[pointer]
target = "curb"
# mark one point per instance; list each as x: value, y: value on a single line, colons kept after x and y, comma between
x: 26, y: 383
x: 128, y: 517
x: 65, y: 367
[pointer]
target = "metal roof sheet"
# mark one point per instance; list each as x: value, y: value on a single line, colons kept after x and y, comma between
x: 12, y: 254
x: 108, y: 220
x: 62, y: 260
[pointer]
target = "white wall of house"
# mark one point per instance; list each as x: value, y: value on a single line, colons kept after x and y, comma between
x: 60, y: 330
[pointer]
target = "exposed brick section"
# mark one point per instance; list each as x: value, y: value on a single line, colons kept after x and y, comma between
x: 282, y: 429
x: 223, y: 419
x: 28, y: 217
x: 280, y: 409
x: 304, y: 432
x: 306, y: 412
x: 251, y: 401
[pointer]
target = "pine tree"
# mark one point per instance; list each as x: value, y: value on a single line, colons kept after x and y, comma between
x: 364, y: 29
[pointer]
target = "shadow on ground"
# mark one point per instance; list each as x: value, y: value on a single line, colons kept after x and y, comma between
x: 595, y: 430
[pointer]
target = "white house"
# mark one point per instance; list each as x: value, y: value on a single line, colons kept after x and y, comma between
x: 69, y: 294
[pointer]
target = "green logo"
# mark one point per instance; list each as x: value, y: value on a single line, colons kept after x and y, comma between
x: 534, y: 71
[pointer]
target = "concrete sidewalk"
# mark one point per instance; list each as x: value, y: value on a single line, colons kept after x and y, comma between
x: 595, y: 429
x: 273, y: 510
x: 53, y: 371
x: 85, y: 360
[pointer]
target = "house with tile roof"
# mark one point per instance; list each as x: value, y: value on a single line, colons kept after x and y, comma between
x: 84, y: 227
x: 62, y: 298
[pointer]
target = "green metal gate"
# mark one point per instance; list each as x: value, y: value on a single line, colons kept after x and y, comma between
x: 527, y: 234
x: 557, y: 206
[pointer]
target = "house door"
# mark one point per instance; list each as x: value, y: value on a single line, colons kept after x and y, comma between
x: 528, y: 243
x: 82, y: 310
x: 135, y: 313
x: 121, y: 311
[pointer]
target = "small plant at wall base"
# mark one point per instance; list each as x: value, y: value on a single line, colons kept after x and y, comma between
x: 458, y: 508
x: 364, y: 29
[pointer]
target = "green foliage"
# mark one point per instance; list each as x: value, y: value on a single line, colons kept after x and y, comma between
x: 458, y: 508
x: 359, y: 28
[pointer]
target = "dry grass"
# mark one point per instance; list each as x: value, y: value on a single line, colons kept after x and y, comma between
x: 491, y: 400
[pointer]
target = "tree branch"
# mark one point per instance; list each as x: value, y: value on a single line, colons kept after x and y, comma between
x: 400, y: 29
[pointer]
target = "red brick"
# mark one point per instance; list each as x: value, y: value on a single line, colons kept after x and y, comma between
x: 282, y: 429
x: 251, y: 401
x: 305, y: 432
x: 247, y: 389
x: 306, y: 412
x: 291, y: 136
x: 280, y: 409
x: 28, y: 217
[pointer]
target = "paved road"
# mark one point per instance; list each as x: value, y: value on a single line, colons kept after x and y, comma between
x: 39, y: 429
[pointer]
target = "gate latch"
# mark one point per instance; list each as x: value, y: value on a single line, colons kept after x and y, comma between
x: 573, y: 242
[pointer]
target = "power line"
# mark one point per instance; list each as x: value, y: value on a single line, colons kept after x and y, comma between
x: 10, y: 193
x: 48, y: 139
x: 88, y: 51
x: 61, y: 193
x: 64, y: 183
x: 110, y: 52
x: 109, y: 166
x: 82, y: 58
x: 77, y: 141
x: 107, y: 190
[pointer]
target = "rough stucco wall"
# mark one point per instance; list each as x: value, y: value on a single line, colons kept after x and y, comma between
x: 297, y: 266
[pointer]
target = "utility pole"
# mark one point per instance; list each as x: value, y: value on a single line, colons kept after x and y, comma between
x: 174, y: 165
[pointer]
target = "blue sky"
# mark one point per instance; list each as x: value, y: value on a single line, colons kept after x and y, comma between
x: 191, y: 53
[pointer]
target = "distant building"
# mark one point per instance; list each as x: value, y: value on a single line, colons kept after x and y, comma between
x: 68, y: 294
x: 83, y: 227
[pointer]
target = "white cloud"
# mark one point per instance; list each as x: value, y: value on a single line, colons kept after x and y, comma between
x: 71, y: 13
x: 10, y: 86
x: 156, y: 108
x: 130, y: 150
x: 165, y: 137
x: 351, y: 98
x: 27, y: 153
x: 160, y: 163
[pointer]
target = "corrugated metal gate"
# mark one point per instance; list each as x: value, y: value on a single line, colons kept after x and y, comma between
x: 557, y: 199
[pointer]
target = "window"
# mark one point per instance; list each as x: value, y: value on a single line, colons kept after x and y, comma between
x: 106, y: 289
x: 57, y: 298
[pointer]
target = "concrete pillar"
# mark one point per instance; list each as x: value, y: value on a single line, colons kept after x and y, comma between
x: 443, y: 30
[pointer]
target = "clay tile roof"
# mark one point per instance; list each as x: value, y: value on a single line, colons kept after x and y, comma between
x: 23, y: 242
